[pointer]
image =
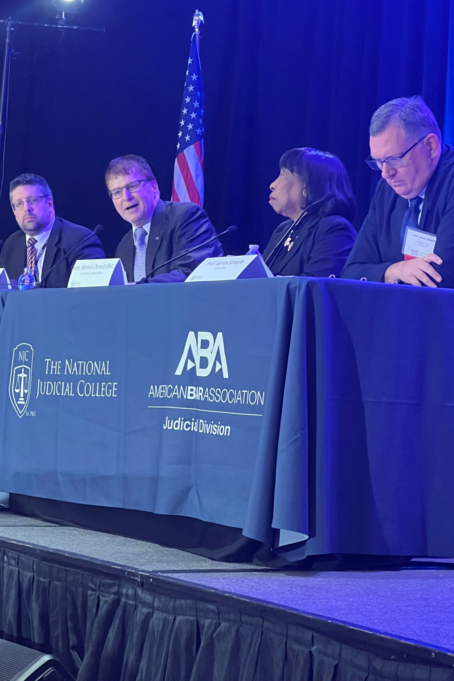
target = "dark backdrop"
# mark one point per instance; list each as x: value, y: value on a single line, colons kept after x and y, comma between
x: 277, y: 75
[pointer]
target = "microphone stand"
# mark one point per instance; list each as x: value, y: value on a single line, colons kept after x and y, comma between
x: 272, y: 256
x: 96, y: 230
x: 4, y: 93
x: 308, y: 209
x: 232, y: 228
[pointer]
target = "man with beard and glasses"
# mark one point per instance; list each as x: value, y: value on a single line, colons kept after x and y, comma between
x: 44, y: 238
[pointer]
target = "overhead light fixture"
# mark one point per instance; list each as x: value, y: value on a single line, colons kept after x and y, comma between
x: 67, y: 7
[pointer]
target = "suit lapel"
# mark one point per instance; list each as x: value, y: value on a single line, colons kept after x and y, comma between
x: 303, y: 232
x: 20, y: 260
x: 394, y: 239
x: 52, y: 247
x: 157, y: 227
x: 125, y: 252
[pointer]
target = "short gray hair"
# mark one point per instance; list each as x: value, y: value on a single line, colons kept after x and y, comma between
x: 411, y: 114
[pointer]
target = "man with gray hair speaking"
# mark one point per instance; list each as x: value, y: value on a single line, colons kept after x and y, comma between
x: 161, y: 230
x: 408, y: 233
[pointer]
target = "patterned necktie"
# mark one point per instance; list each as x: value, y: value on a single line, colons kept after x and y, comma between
x: 411, y: 217
x: 141, y: 252
x: 31, y: 254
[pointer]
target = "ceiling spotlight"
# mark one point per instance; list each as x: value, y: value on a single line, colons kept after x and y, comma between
x: 69, y: 6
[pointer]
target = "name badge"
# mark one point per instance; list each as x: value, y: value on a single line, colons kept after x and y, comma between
x: 417, y: 243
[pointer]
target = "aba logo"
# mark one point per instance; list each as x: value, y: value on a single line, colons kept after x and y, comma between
x: 20, y: 380
x: 205, y: 352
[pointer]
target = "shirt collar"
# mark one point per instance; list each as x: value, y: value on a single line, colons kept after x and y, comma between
x: 421, y: 195
x: 146, y: 228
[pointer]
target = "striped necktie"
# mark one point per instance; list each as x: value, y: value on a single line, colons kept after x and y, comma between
x: 31, y: 254
x: 141, y: 252
x: 411, y: 216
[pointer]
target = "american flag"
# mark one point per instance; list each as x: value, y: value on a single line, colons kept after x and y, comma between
x: 188, y: 181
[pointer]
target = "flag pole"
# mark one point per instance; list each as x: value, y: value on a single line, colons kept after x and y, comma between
x: 197, y: 20
x: 188, y: 173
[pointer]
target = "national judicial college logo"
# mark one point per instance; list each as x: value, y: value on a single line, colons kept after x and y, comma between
x: 20, y: 379
x: 205, y: 352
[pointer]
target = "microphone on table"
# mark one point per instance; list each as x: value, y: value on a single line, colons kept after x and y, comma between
x: 96, y: 230
x: 307, y: 210
x: 232, y: 228
x: 4, y: 287
x: 13, y: 283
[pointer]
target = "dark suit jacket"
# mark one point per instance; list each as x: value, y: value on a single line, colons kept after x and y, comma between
x: 63, y: 237
x: 378, y: 245
x: 175, y: 227
x: 321, y: 249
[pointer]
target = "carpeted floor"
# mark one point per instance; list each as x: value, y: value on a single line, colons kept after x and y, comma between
x: 131, y: 553
x: 407, y: 604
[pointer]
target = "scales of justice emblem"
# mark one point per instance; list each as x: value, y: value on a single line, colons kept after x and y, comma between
x: 20, y: 380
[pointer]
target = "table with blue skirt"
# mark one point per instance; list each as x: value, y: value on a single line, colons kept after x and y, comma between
x: 310, y: 416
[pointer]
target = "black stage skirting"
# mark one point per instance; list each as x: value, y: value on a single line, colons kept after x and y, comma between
x: 137, y: 627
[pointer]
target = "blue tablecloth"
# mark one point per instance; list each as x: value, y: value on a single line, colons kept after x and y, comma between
x: 3, y: 298
x: 156, y: 398
x: 381, y: 418
x: 317, y: 415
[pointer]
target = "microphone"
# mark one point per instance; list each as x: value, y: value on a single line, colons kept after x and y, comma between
x: 232, y: 228
x: 97, y: 229
x: 2, y: 286
x: 307, y: 210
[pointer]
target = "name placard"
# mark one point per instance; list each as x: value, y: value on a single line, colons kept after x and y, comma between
x: 230, y: 267
x: 4, y: 280
x: 106, y: 272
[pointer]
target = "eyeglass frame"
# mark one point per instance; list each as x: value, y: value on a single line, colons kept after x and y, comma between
x: 374, y: 162
x: 30, y: 201
x: 128, y: 187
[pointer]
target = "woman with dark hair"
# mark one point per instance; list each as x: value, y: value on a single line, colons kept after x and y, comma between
x: 314, y: 191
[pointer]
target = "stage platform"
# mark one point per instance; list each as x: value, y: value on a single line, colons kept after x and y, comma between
x: 116, y: 608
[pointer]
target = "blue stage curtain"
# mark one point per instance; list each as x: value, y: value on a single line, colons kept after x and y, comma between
x: 312, y: 74
x: 448, y: 131
x: 276, y: 75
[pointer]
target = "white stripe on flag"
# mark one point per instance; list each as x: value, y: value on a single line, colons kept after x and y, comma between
x: 196, y: 170
x: 180, y: 186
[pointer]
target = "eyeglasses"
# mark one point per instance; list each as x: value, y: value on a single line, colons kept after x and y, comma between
x: 31, y: 201
x: 131, y: 187
x: 391, y: 161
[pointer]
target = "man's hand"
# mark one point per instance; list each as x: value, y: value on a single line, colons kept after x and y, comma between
x: 416, y: 272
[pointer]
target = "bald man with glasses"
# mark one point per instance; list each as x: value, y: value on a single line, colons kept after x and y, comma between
x: 43, y: 238
x: 160, y: 230
x: 408, y: 234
